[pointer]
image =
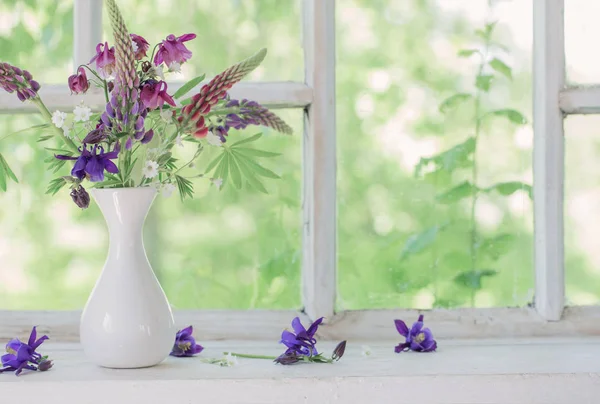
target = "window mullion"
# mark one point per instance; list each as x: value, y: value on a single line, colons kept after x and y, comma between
x: 87, y: 16
x: 548, y: 157
x: 319, y: 188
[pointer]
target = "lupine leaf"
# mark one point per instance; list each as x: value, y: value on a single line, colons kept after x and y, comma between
x: 250, y: 177
x: 234, y: 171
x: 55, y: 185
x: 214, y: 163
x: 2, y: 179
x: 512, y: 115
x: 472, y: 279
x: 463, y: 190
x: 188, y: 86
x: 40, y: 126
x: 453, y: 101
x: 225, y: 170
x: 509, y: 188
x: 484, y: 81
x: 7, y: 169
x: 255, y: 152
x: 496, y: 246
x: 465, y: 53
x: 185, y: 187
x: 418, y: 242
x: 257, y: 168
x: 247, y: 140
x: 501, y: 67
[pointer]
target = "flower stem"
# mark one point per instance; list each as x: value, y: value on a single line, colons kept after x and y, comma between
x: 240, y: 355
x: 48, y: 117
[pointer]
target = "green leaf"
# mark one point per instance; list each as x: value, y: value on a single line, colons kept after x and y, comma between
x: 250, y: 177
x: 185, y: 187
x: 418, y: 242
x: 453, y: 101
x: 457, y: 193
x: 188, y: 86
x: 234, y: 171
x: 486, y: 32
x: 215, y: 161
x: 247, y: 140
x: 472, y: 279
x: 44, y: 138
x: 501, y: 67
x: 458, y: 156
x: 257, y: 168
x: 2, y: 179
x: 40, y: 126
x: 484, y: 81
x: 56, y: 185
x: 7, y: 169
x: 496, y: 246
x: 514, y: 116
x: 509, y: 188
x: 465, y: 53
x: 255, y: 152
x: 225, y: 170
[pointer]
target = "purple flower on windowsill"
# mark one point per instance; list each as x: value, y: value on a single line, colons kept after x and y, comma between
x: 22, y: 355
x: 418, y: 339
x: 185, y: 344
x: 303, y: 341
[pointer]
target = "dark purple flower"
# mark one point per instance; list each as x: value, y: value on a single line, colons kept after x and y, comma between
x: 303, y: 341
x: 96, y: 136
x: 185, y: 344
x: 418, y: 339
x: 154, y: 94
x: 21, y: 355
x: 172, y: 50
x: 339, y: 350
x: 105, y: 59
x: 93, y: 164
x: 141, y: 44
x: 45, y: 365
x: 80, y: 197
x: 13, y: 79
x: 288, y: 358
x: 252, y: 113
x: 148, y: 137
x: 78, y: 83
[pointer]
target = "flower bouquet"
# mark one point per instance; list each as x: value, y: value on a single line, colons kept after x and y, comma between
x: 125, y: 154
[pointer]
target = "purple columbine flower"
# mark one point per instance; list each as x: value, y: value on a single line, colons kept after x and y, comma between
x: 141, y: 44
x: 22, y: 356
x: 93, y: 164
x: 78, y: 83
x: 173, y: 50
x: 185, y: 344
x: 303, y: 341
x: 154, y: 94
x: 105, y: 59
x: 418, y: 339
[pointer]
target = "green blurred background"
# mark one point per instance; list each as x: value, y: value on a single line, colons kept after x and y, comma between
x: 396, y: 61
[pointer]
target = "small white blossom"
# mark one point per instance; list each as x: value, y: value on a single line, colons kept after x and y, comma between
x: 82, y: 113
x: 158, y: 71
x: 150, y: 169
x: 230, y: 360
x: 175, y: 67
x: 213, y: 139
x: 67, y: 131
x: 178, y: 141
x: 167, y: 190
x: 218, y: 182
x: 166, y: 115
x: 58, y: 119
x: 366, y: 350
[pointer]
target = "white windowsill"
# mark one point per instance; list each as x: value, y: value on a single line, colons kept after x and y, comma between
x: 524, y: 371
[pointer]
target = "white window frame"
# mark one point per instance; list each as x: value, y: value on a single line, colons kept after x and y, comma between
x: 316, y: 96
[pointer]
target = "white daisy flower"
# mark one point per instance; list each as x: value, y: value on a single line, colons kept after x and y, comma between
x: 218, y: 182
x: 167, y: 190
x: 166, y: 115
x: 82, y: 113
x: 150, y: 169
x: 175, y: 67
x: 213, y: 139
x: 58, y: 119
x: 366, y: 350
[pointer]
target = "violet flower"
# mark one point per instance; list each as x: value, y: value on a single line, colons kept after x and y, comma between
x: 78, y: 83
x: 252, y: 113
x: 303, y: 341
x: 418, y: 339
x: 154, y: 94
x: 105, y: 59
x: 93, y: 164
x: 141, y: 46
x: 14, y: 79
x: 22, y: 356
x: 173, y: 50
x: 185, y: 344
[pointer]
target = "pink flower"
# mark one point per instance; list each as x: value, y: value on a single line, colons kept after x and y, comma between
x: 141, y: 46
x: 154, y: 94
x: 78, y: 83
x: 172, y: 50
x: 105, y: 59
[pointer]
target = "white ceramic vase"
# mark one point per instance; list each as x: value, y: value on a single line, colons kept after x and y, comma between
x: 127, y: 321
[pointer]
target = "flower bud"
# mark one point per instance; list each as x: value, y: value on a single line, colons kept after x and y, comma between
x: 339, y: 350
x: 288, y: 359
x: 45, y: 365
x: 80, y: 197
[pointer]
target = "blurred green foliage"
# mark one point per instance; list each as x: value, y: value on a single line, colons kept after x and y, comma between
x: 404, y: 240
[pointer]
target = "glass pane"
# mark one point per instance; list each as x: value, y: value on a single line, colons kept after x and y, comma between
x: 581, y: 31
x: 228, y: 249
x: 227, y: 31
x: 37, y: 35
x: 423, y: 220
x: 582, y: 217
